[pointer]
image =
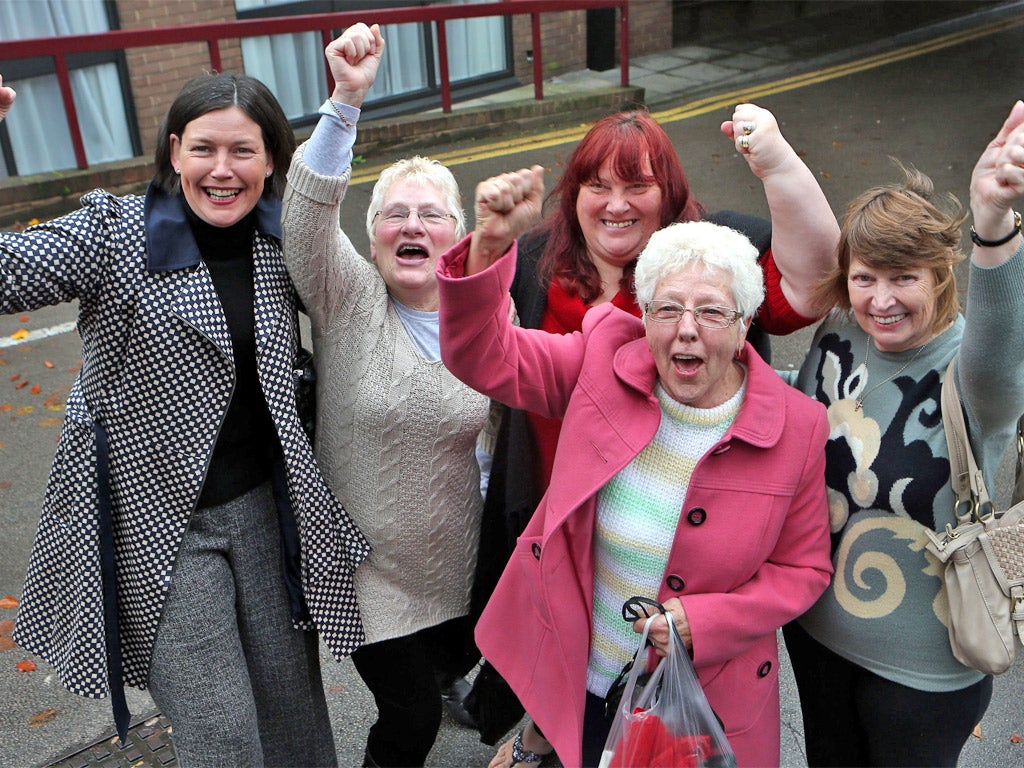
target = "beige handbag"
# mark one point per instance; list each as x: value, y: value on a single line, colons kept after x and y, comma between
x: 983, y: 555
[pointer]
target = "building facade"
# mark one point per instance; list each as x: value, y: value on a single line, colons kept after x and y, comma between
x: 121, y: 96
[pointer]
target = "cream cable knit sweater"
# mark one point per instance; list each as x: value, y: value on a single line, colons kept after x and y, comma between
x: 395, y: 432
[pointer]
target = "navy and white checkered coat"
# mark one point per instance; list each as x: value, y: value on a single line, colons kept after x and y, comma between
x: 157, y: 372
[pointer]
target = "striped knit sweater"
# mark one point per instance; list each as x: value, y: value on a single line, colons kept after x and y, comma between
x: 637, y: 515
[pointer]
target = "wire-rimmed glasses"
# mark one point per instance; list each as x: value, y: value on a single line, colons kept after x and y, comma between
x: 708, y: 316
x: 429, y: 217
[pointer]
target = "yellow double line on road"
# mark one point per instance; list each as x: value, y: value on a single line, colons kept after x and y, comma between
x: 710, y: 103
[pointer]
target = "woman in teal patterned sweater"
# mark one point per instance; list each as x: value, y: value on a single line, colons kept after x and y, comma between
x: 878, y: 682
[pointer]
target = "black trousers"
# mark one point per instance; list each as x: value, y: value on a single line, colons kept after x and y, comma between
x: 853, y: 717
x: 596, y: 726
x: 405, y: 676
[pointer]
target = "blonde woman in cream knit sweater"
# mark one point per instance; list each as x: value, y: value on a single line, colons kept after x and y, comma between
x: 396, y: 432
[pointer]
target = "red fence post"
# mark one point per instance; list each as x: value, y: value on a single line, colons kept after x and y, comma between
x: 326, y: 36
x: 213, y: 45
x: 538, y: 66
x: 442, y: 59
x: 624, y: 43
x: 64, y: 80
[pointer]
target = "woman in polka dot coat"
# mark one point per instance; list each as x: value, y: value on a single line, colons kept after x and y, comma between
x: 187, y: 539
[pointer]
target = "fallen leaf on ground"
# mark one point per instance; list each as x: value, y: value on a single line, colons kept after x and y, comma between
x: 23, y: 318
x: 55, y: 402
x: 7, y: 601
x: 7, y: 644
x: 977, y: 731
x: 6, y: 628
x: 5, y: 484
x: 15, y: 376
x: 1016, y: 738
x: 21, y: 384
x: 19, y: 334
x: 36, y: 389
x: 47, y: 363
x: 26, y: 665
x: 50, y: 422
x: 25, y: 409
x: 42, y: 718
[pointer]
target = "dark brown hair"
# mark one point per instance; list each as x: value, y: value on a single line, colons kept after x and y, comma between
x: 208, y: 93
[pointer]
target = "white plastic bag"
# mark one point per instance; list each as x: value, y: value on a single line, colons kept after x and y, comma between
x: 667, y: 723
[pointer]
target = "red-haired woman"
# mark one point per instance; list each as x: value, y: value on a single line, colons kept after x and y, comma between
x: 623, y: 182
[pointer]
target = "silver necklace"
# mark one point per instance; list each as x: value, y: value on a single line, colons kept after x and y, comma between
x: 867, y: 349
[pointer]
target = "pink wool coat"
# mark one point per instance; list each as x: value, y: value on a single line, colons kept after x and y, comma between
x: 751, y: 551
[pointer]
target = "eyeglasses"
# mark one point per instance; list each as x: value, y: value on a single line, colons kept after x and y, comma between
x: 430, y: 217
x: 710, y: 316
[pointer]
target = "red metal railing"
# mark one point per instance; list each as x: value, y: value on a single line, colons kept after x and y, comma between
x: 212, y: 34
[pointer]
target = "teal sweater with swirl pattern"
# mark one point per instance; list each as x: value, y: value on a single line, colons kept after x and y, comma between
x: 887, y: 472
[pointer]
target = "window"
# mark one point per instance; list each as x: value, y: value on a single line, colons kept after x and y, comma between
x: 292, y: 66
x: 35, y: 137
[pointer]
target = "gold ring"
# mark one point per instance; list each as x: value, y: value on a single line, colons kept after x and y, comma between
x: 744, y: 142
x: 749, y: 127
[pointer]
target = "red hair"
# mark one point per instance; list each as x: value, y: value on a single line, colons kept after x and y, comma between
x: 627, y: 140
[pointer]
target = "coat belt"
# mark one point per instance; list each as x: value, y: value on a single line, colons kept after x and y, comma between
x: 108, y: 577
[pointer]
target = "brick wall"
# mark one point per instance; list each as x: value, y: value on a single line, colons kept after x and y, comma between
x: 650, y: 26
x: 156, y: 74
x: 564, y: 37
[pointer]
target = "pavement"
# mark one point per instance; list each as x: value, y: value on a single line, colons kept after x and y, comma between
x: 748, y: 48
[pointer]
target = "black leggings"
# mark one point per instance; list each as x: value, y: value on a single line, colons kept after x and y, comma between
x: 854, y: 717
x: 405, y: 675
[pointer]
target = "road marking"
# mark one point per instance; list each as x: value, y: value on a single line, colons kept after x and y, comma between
x: 42, y: 333
x: 707, y: 104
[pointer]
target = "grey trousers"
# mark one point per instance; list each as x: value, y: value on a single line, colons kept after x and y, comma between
x: 240, y: 686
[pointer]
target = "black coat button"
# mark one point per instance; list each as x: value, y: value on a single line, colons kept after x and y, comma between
x: 764, y: 669
x: 675, y: 583
x: 536, y: 550
x: 696, y: 516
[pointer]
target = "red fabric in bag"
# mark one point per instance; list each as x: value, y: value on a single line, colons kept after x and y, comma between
x: 647, y: 743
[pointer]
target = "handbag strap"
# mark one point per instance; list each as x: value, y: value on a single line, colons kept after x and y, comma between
x: 1018, y: 471
x: 972, y: 499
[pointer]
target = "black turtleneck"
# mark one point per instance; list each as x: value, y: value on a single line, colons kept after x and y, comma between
x: 246, y: 444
